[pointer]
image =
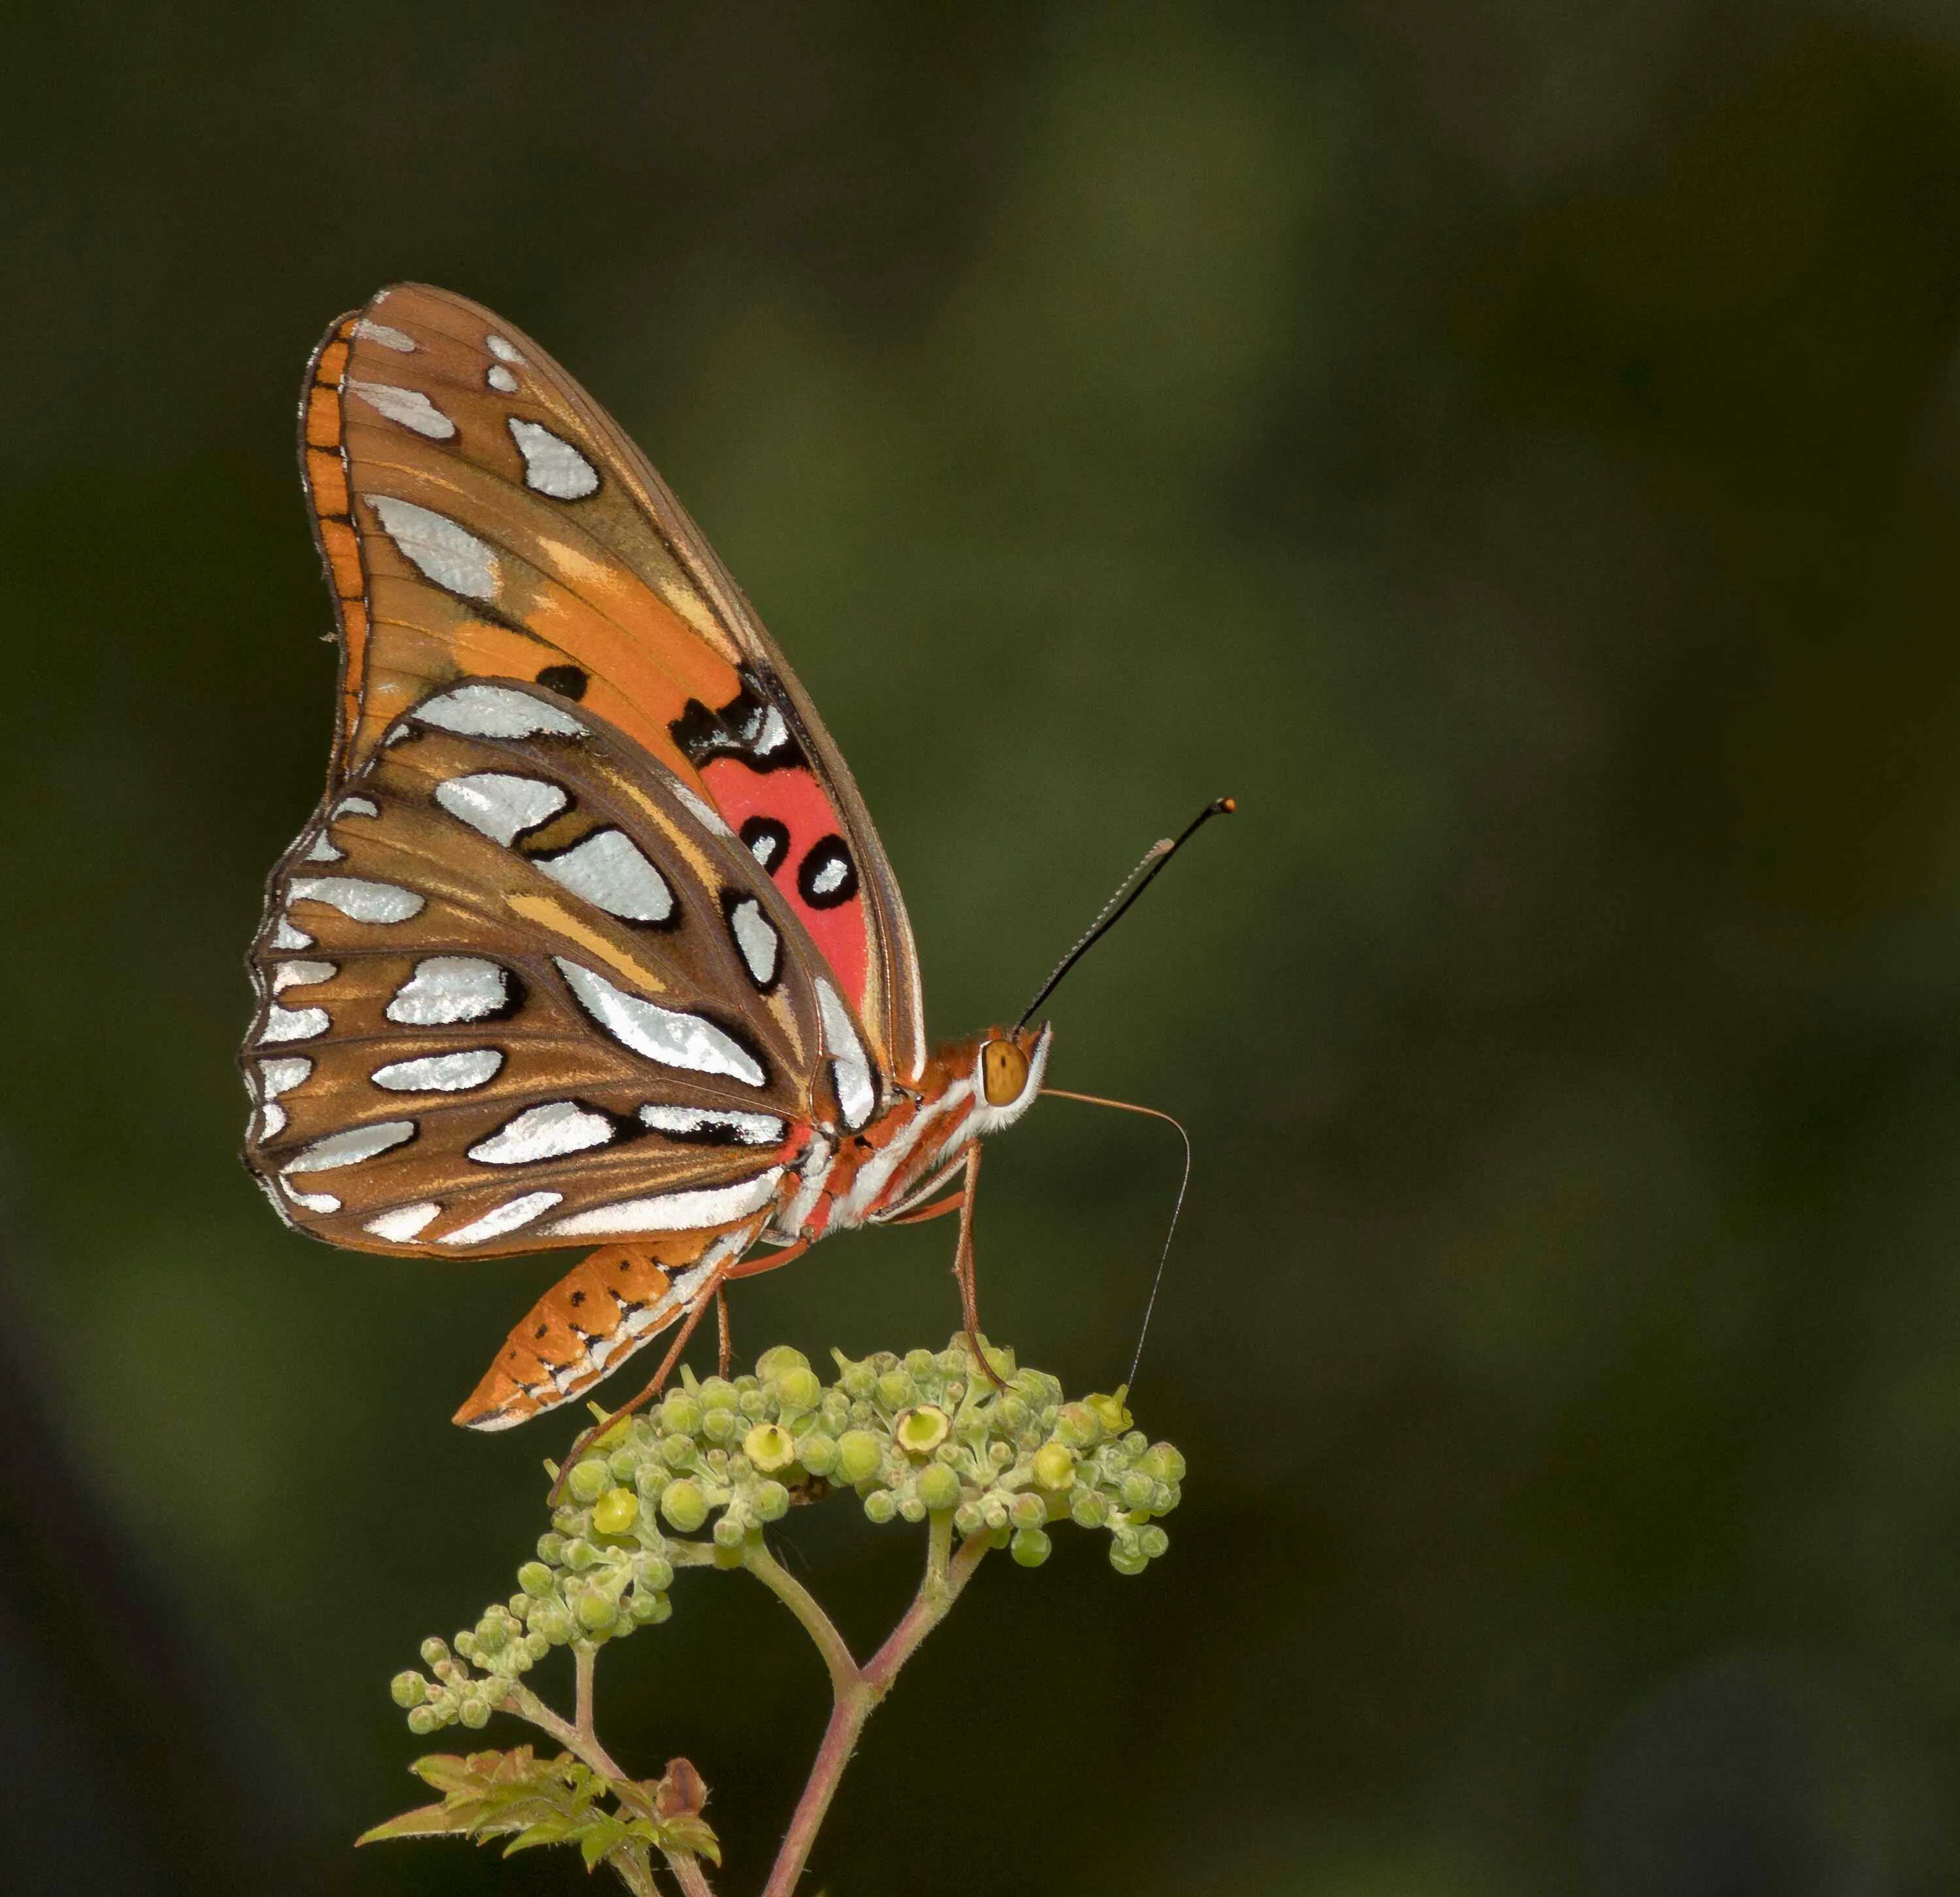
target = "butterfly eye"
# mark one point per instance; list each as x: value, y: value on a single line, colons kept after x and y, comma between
x: 1004, y: 1072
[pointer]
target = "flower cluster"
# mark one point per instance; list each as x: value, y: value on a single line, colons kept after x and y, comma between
x: 928, y: 1434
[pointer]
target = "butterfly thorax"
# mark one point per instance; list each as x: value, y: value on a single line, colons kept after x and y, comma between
x: 896, y: 1165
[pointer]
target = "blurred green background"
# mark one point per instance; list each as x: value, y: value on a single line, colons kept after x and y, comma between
x: 1515, y: 448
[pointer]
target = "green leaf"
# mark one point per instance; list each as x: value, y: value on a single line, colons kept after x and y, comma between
x: 691, y: 1832
x: 546, y: 1831
x: 426, y: 1820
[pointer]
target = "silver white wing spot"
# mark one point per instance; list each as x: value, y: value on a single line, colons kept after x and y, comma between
x: 322, y: 850
x: 286, y: 937
x: 712, y: 1123
x: 278, y: 1076
x: 409, y: 407
x: 544, y: 1132
x: 510, y: 1216
x: 499, y: 805
x: 553, y: 466
x: 358, y: 900
x: 495, y: 711
x: 660, y: 1033
x: 450, y: 555
x: 440, y: 1073
x: 448, y: 988
x: 388, y: 338
x: 301, y: 975
x: 294, y: 1024
x: 500, y: 379
x: 609, y: 871
x: 312, y: 1201
x: 674, y: 1212
x: 357, y: 807
x: 857, y: 1091
x: 402, y: 1223
x: 761, y: 946
x: 350, y: 1148
x: 503, y: 351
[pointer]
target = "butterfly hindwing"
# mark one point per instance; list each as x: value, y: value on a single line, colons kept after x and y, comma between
x: 521, y: 986
x: 481, y: 517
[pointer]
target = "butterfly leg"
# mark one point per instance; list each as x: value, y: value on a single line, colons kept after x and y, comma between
x: 962, y: 1267
x: 724, y: 1358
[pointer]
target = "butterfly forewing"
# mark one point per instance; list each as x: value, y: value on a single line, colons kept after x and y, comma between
x: 482, y: 517
x: 521, y: 986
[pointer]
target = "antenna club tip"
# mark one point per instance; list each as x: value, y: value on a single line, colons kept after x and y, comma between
x: 1226, y: 806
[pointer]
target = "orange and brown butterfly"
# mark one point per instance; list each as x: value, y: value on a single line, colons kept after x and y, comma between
x: 591, y: 938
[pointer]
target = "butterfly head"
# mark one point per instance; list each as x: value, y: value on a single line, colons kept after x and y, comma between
x: 1008, y: 1063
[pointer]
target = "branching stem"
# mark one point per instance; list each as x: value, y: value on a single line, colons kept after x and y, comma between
x: 856, y: 1691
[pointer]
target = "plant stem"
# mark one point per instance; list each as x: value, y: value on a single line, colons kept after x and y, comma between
x: 688, y: 1874
x: 584, y: 1745
x: 802, y: 1602
x: 856, y: 1691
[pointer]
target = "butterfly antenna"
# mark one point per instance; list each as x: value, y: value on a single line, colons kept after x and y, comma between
x: 1112, y: 911
x: 1163, y: 1257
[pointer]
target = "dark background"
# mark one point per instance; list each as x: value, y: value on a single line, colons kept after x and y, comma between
x: 1515, y: 447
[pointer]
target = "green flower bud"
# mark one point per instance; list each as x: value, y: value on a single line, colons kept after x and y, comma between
x: 722, y: 1425
x: 1011, y: 1411
x: 649, y: 1610
x: 1087, y: 1507
x: 880, y: 1505
x: 771, y: 1501
x: 776, y: 1359
x: 651, y: 1482
x: 684, y: 1506
x: 859, y: 1456
x: 938, y: 1487
x: 911, y: 1507
x: 590, y: 1479
x: 920, y: 1431
x: 1152, y: 1542
x: 654, y: 1571
x: 859, y: 1382
x: 999, y: 1455
x: 1136, y: 1490
x: 798, y: 1389
x: 466, y: 1644
x: 616, y: 1511
x: 623, y: 1464
x: 580, y: 1554
x: 834, y: 1410
x: 408, y: 1689
x: 425, y: 1719
x: 717, y: 1393
x: 994, y: 1512
x: 755, y: 1404
x: 817, y: 1452
x: 537, y: 1645
x: 920, y: 1363
x: 552, y: 1621
x: 594, y: 1610
x: 895, y: 1389
x: 967, y: 1518
x: 769, y: 1446
x: 729, y: 1531
x: 435, y: 1651
x: 493, y: 1634
x: 1055, y: 1465
x: 680, y: 1413
x: 1128, y: 1561
x: 679, y: 1452
x: 475, y: 1713
x: 1027, y: 1510
x: 953, y: 1361
x: 1030, y: 1547
x: 551, y: 1548
x: 1077, y: 1425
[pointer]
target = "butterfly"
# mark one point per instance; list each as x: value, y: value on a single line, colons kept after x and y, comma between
x: 590, y: 942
